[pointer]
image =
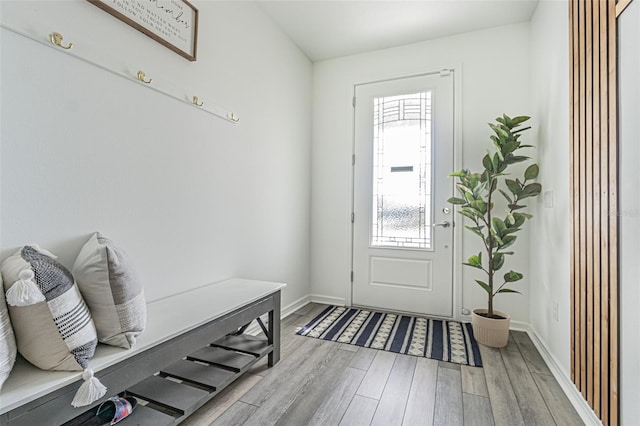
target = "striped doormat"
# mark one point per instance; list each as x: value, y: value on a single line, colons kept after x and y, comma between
x: 449, y: 341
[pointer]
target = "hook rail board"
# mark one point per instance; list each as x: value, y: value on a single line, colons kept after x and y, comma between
x: 57, y: 41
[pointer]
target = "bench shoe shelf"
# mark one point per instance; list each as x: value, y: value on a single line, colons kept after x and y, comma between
x: 192, y: 349
x: 177, y: 391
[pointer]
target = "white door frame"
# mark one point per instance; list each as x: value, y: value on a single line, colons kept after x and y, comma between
x: 457, y: 160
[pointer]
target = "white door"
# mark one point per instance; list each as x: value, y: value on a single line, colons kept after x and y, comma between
x: 402, y: 223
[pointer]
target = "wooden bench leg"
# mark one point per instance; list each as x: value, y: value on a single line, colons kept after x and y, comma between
x: 274, y: 330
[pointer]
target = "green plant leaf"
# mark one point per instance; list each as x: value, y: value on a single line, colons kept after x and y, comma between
x: 531, y: 190
x: 469, y: 197
x: 519, y: 119
x: 513, y: 159
x: 531, y: 172
x: 499, y: 226
x: 511, y: 230
x: 519, y: 219
x: 455, y: 200
x: 502, y: 133
x: 486, y: 162
x: 468, y: 213
x: 461, y: 173
x: 497, y: 241
x: 507, y: 290
x: 507, y: 241
x: 475, y: 261
x: 496, y: 162
x: 471, y: 213
x: 484, y: 177
x: 512, y: 276
x: 463, y: 188
x: 480, y: 206
x: 496, y: 128
x: 484, y: 285
x: 509, y: 147
x: 498, y: 261
x: 508, y: 220
x: 476, y: 230
x: 513, y: 186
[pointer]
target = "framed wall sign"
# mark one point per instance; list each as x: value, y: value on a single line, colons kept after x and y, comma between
x: 172, y: 23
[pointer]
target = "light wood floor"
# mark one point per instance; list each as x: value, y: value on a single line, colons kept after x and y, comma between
x: 326, y: 383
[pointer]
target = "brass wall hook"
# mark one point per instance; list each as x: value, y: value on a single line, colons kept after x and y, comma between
x: 141, y: 77
x: 197, y: 102
x: 56, y: 39
x: 233, y: 117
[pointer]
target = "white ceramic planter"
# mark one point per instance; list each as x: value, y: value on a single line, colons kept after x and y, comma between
x: 488, y: 331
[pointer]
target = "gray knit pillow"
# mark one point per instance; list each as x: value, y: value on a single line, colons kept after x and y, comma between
x: 7, y: 340
x: 51, y: 321
x: 110, y: 285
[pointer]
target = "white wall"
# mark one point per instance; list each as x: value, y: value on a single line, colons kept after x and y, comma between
x: 551, y: 233
x: 495, y: 80
x: 629, y: 212
x: 194, y: 199
x: 550, y: 242
x: 550, y: 250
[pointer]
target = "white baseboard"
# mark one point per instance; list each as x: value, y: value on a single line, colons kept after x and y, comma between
x: 574, y: 395
x: 519, y: 326
x: 327, y: 300
x: 294, y: 306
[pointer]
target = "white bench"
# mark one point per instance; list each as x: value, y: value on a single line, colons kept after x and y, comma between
x: 195, y: 325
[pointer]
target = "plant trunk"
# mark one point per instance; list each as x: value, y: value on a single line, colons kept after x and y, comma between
x: 490, y: 253
x: 491, y: 272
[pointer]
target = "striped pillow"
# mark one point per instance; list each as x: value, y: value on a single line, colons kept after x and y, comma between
x: 113, y: 290
x: 7, y: 341
x: 52, y: 324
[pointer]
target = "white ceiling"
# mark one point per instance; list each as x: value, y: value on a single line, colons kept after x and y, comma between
x: 326, y: 29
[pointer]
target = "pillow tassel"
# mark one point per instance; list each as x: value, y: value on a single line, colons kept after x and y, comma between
x: 24, y: 292
x: 91, y: 390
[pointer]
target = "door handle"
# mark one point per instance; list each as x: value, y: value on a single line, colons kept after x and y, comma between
x: 444, y: 224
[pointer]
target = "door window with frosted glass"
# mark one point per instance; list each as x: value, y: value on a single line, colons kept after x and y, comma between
x: 402, y: 152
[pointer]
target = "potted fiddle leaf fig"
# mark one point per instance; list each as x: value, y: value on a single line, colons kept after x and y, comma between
x: 492, y: 200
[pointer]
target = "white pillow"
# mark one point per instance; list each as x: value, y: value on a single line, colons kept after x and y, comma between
x: 112, y: 289
x: 7, y: 340
x: 51, y: 321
